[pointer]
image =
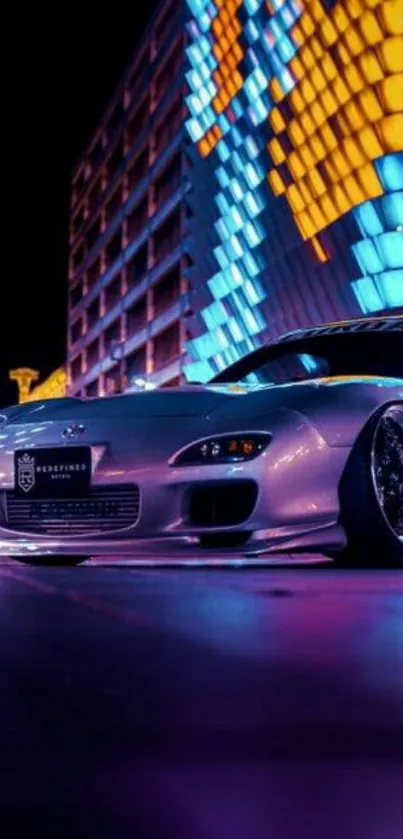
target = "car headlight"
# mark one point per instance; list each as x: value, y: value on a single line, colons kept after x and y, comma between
x: 231, y: 448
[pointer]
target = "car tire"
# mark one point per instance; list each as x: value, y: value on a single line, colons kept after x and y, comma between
x: 371, y: 494
x: 52, y: 561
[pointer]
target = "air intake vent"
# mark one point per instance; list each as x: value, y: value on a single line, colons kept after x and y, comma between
x: 104, y: 510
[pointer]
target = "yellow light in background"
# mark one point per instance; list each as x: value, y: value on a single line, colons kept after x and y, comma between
x: 354, y: 191
x: 276, y: 90
x: 328, y: 67
x: 316, y: 182
x: 24, y: 377
x: 276, y: 151
x: 341, y: 90
x: 391, y: 53
x: 296, y: 134
x: 318, y: 114
x: 55, y: 386
x: 354, y: 8
x: 317, y: 216
x: 296, y: 165
x: 276, y: 121
x: 369, y: 181
x: 391, y: 129
x: 328, y: 32
x: 319, y: 250
x: 354, y: 116
x: 297, y: 68
x: 391, y: 93
x: 328, y: 208
x: 307, y: 57
x: 341, y: 199
x: 307, y: 124
x: 391, y: 13
x: 346, y: 103
x: 307, y: 156
x: 341, y: 19
x: 370, y: 28
x: 353, y: 152
x: 370, y: 67
x: 354, y: 78
x: 294, y: 197
x: 276, y: 182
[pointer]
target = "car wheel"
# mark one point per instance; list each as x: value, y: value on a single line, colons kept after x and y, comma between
x: 371, y: 494
x: 52, y: 561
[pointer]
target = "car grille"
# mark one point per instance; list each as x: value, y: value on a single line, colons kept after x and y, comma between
x: 103, y: 510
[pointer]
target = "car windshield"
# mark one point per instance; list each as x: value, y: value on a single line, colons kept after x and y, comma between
x: 321, y: 356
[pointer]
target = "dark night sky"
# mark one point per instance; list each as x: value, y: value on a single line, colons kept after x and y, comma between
x: 70, y: 66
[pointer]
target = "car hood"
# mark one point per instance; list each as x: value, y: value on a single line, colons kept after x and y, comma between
x: 339, y: 407
x: 220, y: 400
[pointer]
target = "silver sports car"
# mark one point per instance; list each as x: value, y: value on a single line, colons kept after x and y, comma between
x: 298, y: 447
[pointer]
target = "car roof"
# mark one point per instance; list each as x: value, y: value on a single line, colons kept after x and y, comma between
x: 375, y: 324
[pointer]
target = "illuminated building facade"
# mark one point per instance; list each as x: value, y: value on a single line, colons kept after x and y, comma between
x: 296, y: 116
x: 246, y: 179
x: 128, y: 238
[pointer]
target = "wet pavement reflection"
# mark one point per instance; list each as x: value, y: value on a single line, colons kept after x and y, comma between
x: 202, y: 704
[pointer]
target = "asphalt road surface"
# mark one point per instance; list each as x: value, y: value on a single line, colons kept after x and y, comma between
x: 200, y: 704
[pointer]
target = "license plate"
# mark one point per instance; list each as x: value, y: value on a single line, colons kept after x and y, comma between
x: 51, y: 473
x: 73, y: 510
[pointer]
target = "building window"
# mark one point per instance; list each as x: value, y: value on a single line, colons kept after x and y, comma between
x: 115, y: 119
x: 76, y: 368
x: 167, y: 291
x: 138, y: 121
x: 96, y: 153
x: 137, y: 268
x: 173, y: 382
x: 138, y: 76
x: 93, y: 273
x: 168, y: 182
x: 168, y: 127
x: 76, y: 331
x: 113, y: 247
x: 113, y: 293
x: 137, y: 316
x: 167, y: 237
x: 77, y: 222
x: 169, y: 73
x: 163, y: 28
x: 136, y: 364
x: 113, y: 205
x: 78, y: 186
x: 138, y: 171
x: 92, y: 389
x: 137, y: 220
x: 95, y: 196
x: 78, y: 257
x: 93, y: 353
x: 167, y: 346
x: 113, y: 381
x: 93, y: 313
x: 115, y: 160
x: 93, y: 234
x: 112, y: 334
x: 76, y: 295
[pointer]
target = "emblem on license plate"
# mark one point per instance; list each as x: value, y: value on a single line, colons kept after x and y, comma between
x: 26, y: 472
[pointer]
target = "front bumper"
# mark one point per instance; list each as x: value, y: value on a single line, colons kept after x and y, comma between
x: 297, y: 506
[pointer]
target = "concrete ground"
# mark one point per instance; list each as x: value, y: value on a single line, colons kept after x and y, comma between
x: 201, y: 704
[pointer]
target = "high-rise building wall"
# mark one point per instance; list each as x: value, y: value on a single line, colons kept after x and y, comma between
x: 296, y: 115
x: 129, y: 250
x: 247, y: 179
